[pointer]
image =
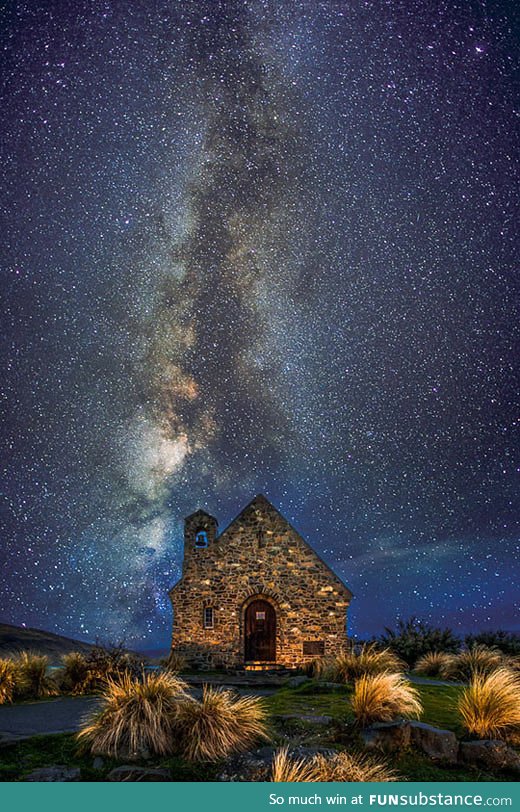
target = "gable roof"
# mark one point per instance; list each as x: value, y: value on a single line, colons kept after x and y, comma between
x: 261, y: 501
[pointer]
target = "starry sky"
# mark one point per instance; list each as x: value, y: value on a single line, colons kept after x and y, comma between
x: 259, y: 246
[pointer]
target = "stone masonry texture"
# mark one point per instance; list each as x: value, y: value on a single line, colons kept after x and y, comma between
x: 258, y: 556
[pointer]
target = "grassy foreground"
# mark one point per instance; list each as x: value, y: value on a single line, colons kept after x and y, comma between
x: 312, y: 699
x: 286, y: 708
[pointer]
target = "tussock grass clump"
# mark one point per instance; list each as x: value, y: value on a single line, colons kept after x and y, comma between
x: 75, y: 676
x: 368, y: 659
x: 220, y: 724
x: 32, y: 677
x: 490, y: 705
x: 433, y: 664
x: 383, y: 698
x: 138, y: 716
x: 286, y: 768
x: 323, y: 668
x: 476, y: 660
x: 7, y: 680
x: 175, y: 662
x: 351, y: 767
x: 337, y: 767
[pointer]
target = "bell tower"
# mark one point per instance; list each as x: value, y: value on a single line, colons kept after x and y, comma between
x: 200, y: 532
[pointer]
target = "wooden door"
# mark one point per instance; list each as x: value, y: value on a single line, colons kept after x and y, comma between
x: 260, y: 632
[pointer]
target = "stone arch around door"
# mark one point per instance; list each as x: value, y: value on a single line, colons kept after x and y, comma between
x: 260, y: 628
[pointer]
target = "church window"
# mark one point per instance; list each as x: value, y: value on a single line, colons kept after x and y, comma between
x: 208, y: 617
x: 201, y: 539
x: 260, y: 537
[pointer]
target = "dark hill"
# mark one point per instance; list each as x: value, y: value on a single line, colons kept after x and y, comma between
x: 18, y: 638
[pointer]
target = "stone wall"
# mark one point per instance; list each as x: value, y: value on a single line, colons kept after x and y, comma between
x: 259, y: 555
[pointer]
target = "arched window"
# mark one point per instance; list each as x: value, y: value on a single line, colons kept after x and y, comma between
x: 201, y: 539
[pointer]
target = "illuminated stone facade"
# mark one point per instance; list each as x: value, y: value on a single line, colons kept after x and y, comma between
x: 257, y: 593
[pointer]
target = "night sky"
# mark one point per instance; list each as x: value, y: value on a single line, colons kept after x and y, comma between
x: 259, y: 246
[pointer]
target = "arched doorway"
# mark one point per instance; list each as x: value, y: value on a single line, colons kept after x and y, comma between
x: 260, y: 632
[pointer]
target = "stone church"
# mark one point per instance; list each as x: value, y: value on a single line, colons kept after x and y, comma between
x: 255, y: 596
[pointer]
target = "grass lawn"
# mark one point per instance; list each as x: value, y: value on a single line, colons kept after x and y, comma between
x: 440, y: 706
x: 312, y: 699
x: 439, y: 702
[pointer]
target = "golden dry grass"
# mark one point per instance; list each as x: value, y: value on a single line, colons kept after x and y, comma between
x: 32, y: 676
x: 383, y: 698
x: 7, y: 680
x: 351, y: 767
x: 343, y: 766
x: 432, y: 664
x: 138, y: 716
x: 513, y: 662
x: 321, y: 668
x: 286, y: 768
x: 175, y: 662
x: 220, y: 724
x: 478, y: 659
x: 490, y: 705
x: 368, y: 659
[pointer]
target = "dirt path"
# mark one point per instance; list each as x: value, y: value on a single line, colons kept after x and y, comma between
x: 60, y: 715
x: 65, y: 714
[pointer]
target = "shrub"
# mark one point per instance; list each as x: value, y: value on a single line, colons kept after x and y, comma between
x: 384, y: 697
x: 32, y: 677
x: 335, y: 767
x: 137, y: 716
x: 75, y: 675
x: 506, y: 642
x: 7, y: 680
x: 413, y: 638
x: 220, y: 724
x: 476, y: 660
x: 110, y: 663
x: 368, y: 659
x: 433, y: 664
x: 83, y: 673
x: 490, y: 705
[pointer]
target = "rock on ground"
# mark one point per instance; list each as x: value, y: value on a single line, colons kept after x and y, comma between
x: 391, y: 736
x: 58, y: 772
x: 434, y: 742
x: 387, y: 736
x: 490, y: 754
